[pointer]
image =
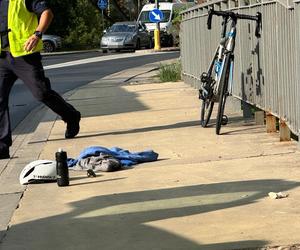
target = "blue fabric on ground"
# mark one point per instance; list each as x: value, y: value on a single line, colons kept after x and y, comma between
x: 124, y: 156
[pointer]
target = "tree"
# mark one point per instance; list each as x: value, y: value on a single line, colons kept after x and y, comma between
x: 62, y: 16
x: 121, y: 10
x: 80, y: 24
x: 86, y: 27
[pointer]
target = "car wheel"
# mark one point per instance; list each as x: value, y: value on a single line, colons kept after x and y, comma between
x: 104, y: 51
x: 48, y: 46
x: 138, y: 44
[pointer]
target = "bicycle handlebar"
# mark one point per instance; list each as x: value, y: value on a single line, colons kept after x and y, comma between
x: 235, y: 16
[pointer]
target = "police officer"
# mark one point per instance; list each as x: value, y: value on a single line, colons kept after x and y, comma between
x: 22, y: 24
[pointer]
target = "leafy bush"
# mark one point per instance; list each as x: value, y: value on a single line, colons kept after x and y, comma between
x: 86, y: 29
x: 78, y: 22
x: 170, y: 72
x: 175, y: 28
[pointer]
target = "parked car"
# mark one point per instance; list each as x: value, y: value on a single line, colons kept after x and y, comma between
x: 51, y: 43
x: 126, y: 35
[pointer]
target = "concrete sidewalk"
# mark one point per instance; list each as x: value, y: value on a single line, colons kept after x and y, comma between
x: 205, y: 192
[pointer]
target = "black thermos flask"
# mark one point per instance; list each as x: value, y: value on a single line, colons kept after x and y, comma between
x: 62, y: 169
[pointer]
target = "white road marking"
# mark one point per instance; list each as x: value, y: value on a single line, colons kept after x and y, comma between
x: 93, y: 60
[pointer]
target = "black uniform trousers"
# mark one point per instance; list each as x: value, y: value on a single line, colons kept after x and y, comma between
x: 30, y: 70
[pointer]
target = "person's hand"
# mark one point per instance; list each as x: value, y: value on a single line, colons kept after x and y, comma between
x: 31, y: 43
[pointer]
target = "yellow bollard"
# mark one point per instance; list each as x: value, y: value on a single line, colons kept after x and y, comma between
x: 157, y: 40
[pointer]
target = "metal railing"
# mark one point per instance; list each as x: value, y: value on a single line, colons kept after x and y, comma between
x: 267, y: 70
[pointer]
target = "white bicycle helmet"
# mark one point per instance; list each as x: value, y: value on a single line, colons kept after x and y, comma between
x: 38, y: 171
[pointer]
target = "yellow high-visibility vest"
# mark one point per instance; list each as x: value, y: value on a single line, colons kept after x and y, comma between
x: 22, y: 24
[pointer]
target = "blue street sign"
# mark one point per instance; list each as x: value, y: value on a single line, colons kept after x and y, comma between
x: 102, y: 4
x: 156, y: 16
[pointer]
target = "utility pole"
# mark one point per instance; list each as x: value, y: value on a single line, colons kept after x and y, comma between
x: 157, y: 31
x: 102, y: 21
x: 139, y: 7
x: 102, y: 4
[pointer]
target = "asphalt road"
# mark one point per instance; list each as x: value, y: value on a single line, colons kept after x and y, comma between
x: 69, y: 71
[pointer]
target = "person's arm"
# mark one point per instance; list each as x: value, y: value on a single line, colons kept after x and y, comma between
x: 45, y: 20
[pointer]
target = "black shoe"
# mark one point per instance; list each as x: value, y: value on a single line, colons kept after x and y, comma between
x: 73, y: 126
x: 4, y: 153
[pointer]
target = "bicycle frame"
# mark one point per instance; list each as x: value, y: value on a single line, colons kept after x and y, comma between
x: 217, y: 83
x: 217, y: 64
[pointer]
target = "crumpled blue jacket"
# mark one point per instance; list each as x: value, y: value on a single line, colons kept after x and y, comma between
x: 124, y: 156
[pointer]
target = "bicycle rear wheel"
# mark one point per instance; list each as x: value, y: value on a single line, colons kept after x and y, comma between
x: 206, y: 110
x: 207, y: 96
x: 223, y: 94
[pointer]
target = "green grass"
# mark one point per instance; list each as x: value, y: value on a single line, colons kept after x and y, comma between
x: 170, y: 72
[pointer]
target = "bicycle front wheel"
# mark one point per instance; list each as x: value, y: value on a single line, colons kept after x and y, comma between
x: 223, y: 95
x: 206, y: 110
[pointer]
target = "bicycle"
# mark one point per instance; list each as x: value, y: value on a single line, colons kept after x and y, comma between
x: 217, y: 81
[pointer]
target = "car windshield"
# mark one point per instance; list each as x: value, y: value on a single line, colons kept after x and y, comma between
x: 122, y: 28
x: 144, y: 17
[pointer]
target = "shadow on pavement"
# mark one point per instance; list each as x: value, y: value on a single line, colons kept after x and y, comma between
x: 96, y: 181
x: 186, y: 124
x: 98, y: 100
x: 70, y: 78
x: 138, y: 130
x: 133, y: 220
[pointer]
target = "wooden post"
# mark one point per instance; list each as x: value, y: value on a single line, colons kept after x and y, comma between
x: 284, y: 131
x: 270, y: 123
x: 259, y: 117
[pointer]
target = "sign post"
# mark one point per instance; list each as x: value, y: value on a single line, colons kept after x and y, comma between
x: 156, y: 16
x: 102, y: 4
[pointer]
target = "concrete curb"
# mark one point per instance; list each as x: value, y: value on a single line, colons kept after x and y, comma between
x: 170, y: 49
x: 142, y: 51
x: 70, y: 52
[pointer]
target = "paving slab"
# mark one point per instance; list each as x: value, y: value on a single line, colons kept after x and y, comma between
x: 8, y: 204
x: 29, y: 139
x: 204, y: 192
